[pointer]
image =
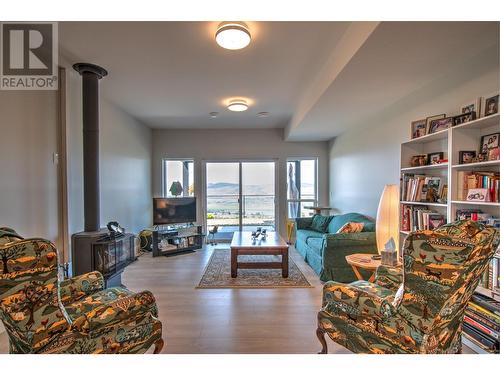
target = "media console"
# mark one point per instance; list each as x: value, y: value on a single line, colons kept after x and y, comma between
x: 177, y: 240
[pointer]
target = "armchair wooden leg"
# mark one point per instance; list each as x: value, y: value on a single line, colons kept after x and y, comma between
x: 158, y: 346
x: 321, y: 337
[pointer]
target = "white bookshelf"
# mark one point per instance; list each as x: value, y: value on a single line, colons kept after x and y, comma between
x: 464, y: 137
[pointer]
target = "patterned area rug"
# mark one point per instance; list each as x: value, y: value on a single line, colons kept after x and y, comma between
x: 218, y: 273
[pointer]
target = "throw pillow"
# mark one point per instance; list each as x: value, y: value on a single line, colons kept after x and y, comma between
x: 351, y: 228
x: 320, y: 223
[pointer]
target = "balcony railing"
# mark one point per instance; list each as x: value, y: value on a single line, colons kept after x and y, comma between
x: 256, y: 210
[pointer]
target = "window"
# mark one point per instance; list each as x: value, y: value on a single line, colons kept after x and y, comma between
x: 178, y: 178
x: 301, y: 187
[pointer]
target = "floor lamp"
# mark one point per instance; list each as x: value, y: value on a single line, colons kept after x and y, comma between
x: 387, y: 226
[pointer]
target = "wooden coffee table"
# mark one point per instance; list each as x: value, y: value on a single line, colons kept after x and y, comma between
x: 242, y: 244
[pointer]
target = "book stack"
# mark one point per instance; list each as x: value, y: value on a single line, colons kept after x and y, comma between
x: 420, y: 218
x: 467, y: 180
x: 476, y: 214
x: 416, y: 188
x: 482, y: 323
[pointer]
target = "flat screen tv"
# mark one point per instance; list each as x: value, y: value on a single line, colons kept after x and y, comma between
x: 174, y: 210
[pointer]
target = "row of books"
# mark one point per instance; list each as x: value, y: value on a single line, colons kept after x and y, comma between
x: 482, y: 323
x: 422, y: 188
x: 467, y: 180
x: 476, y: 214
x: 420, y: 218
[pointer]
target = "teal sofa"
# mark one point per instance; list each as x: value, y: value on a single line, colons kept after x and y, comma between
x: 325, y: 251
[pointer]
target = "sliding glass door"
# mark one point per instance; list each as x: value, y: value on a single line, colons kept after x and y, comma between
x: 240, y: 196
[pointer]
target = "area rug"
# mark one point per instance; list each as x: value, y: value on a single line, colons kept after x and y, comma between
x: 218, y: 273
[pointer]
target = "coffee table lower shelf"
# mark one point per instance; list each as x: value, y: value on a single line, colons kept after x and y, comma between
x: 235, y: 265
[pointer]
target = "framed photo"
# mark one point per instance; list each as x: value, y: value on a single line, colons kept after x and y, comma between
x: 489, y: 141
x: 490, y: 104
x: 471, y: 106
x: 464, y: 117
x: 444, y: 194
x: 440, y: 124
x: 465, y: 157
x: 478, y: 195
x: 434, y: 157
x: 418, y: 160
x: 428, y: 120
x: 494, y: 153
x: 418, y: 128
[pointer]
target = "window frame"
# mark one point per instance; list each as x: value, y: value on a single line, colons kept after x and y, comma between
x: 314, y: 201
x: 164, y: 187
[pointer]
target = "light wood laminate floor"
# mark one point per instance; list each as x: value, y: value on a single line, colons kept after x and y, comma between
x: 281, y: 320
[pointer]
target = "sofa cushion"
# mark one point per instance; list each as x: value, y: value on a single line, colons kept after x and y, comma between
x: 320, y: 223
x: 338, y: 221
x: 304, y: 234
x: 316, y: 244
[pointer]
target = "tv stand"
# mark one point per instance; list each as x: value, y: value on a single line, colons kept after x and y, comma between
x: 176, y: 240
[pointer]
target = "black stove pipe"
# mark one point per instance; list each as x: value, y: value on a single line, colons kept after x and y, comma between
x: 91, y: 74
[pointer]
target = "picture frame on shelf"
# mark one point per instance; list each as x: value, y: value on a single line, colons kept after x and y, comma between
x: 418, y: 160
x: 466, y: 157
x: 477, y: 195
x: 443, y: 197
x: 418, y: 128
x: 435, y: 158
x: 471, y: 106
x: 494, y: 154
x: 489, y: 141
x: 440, y: 124
x: 429, y: 119
x: 463, y: 118
x: 490, y: 104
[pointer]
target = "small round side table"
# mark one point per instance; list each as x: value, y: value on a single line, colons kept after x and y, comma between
x: 363, y: 261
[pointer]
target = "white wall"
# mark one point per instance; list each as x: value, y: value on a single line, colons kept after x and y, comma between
x: 28, y: 176
x: 125, y: 163
x: 237, y: 144
x: 366, y: 158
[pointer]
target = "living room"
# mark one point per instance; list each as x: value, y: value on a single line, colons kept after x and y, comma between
x: 250, y: 187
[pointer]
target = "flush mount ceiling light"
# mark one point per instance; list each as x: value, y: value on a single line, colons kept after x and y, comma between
x: 237, y: 105
x: 233, y: 35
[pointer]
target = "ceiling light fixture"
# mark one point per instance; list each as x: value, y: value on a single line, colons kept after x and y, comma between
x: 233, y: 35
x: 237, y: 105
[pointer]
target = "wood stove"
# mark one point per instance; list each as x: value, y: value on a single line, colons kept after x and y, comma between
x: 96, y: 249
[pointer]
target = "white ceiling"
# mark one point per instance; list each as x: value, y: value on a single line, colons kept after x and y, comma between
x: 173, y: 74
x: 396, y: 60
x: 316, y: 79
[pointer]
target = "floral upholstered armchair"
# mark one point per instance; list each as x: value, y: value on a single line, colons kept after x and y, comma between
x: 42, y: 314
x: 419, y: 309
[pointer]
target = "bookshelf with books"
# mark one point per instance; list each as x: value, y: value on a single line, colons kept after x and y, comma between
x: 460, y: 179
x: 424, y: 192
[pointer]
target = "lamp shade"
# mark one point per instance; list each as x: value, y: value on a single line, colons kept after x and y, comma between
x: 387, y: 226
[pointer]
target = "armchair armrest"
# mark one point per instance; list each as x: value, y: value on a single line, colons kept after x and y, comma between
x: 75, y: 288
x: 348, y: 299
x: 389, y: 277
x: 303, y: 222
x: 134, y: 307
